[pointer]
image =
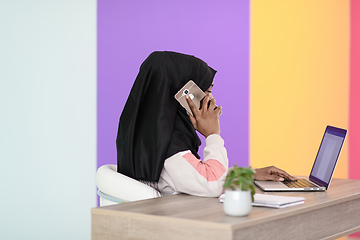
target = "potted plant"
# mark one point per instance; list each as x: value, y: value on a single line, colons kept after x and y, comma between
x: 239, y: 191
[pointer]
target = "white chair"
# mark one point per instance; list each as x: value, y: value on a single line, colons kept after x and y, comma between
x: 117, y: 188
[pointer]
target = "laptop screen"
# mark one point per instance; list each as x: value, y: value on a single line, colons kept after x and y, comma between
x: 328, y: 155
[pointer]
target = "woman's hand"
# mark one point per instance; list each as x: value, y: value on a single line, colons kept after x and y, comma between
x: 205, y: 119
x: 272, y: 173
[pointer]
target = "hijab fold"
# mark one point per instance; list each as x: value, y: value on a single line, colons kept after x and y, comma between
x: 153, y: 125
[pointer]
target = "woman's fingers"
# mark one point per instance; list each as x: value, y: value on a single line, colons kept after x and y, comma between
x: 273, y: 173
x: 205, y: 103
x: 206, y: 119
x: 282, y: 173
x: 219, y: 110
x: 192, y: 120
x: 212, y: 103
x: 192, y: 106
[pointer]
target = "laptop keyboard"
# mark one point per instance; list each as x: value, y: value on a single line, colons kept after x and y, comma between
x: 300, y: 183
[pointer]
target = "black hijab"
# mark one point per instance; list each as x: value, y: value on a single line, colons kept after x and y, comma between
x: 153, y: 125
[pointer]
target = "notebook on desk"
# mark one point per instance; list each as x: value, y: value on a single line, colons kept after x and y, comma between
x: 272, y: 201
x: 323, y: 167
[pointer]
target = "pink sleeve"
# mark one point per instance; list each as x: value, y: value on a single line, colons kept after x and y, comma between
x: 211, y: 170
x: 183, y: 172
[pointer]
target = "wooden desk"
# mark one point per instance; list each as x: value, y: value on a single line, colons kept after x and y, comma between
x: 324, y: 215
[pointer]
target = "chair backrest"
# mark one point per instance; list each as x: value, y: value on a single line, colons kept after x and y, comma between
x: 119, y: 186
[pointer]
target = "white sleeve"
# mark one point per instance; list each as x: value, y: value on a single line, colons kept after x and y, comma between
x: 196, y: 177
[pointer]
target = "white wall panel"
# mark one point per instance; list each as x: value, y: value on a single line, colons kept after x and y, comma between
x: 47, y: 118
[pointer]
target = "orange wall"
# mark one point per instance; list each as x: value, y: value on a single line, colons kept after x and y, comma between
x: 299, y: 81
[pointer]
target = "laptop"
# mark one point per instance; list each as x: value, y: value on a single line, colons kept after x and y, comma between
x: 322, y: 170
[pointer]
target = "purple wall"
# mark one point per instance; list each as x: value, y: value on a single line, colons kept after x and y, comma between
x: 215, y: 31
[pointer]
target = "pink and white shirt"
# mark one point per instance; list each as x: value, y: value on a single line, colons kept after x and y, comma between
x: 184, y: 173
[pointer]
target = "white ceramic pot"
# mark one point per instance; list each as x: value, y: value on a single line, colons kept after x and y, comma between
x: 237, y: 203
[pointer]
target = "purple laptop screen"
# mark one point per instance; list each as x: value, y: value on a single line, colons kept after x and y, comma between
x: 328, y: 155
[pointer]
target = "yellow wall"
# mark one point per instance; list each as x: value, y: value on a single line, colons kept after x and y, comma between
x: 299, y: 81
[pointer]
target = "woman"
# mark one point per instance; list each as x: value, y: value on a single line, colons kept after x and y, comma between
x: 157, y: 143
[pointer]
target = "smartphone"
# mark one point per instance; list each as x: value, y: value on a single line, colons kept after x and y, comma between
x: 193, y: 91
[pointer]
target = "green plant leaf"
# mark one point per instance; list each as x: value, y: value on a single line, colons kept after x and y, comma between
x: 228, y: 181
x: 237, y: 183
x: 248, y: 171
x: 241, y: 179
x: 252, y: 192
